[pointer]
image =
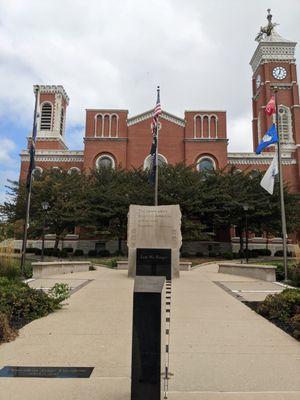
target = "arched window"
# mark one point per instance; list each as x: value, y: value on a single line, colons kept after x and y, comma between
x: 105, y: 161
x: 205, y: 163
x: 74, y: 170
x: 46, y: 117
x: 37, y: 172
x: 56, y: 169
x: 205, y: 126
x: 62, y: 117
x: 161, y: 161
x: 285, y: 124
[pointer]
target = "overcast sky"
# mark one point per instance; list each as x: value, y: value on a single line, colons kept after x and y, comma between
x: 113, y: 54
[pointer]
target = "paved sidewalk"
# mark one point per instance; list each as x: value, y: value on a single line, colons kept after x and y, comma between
x: 220, y: 349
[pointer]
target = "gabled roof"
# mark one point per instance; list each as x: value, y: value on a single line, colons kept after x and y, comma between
x: 148, y: 114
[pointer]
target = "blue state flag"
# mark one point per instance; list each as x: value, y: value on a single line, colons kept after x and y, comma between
x: 269, y: 138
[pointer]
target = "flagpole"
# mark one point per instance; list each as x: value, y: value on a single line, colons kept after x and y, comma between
x: 156, y: 159
x: 28, y: 194
x: 282, y: 207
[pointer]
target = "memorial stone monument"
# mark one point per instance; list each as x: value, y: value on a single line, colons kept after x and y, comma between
x: 154, y: 227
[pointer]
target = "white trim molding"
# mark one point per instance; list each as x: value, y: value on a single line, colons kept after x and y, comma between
x: 254, y: 159
x: 149, y: 114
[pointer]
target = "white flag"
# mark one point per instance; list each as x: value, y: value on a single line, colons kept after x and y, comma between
x: 268, y: 180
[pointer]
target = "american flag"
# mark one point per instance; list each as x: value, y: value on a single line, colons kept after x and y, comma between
x: 153, y: 150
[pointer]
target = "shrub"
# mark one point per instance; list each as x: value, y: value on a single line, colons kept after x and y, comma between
x: 92, y: 253
x: 295, y: 275
x: 279, y: 253
x: 60, y: 292
x: 63, y: 253
x: 113, y: 263
x: 199, y: 254
x: 38, y: 252
x: 10, y: 268
x: 295, y: 324
x: 185, y: 254
x: 22, y: 304
x: 6, y: 332
x: 68, y: 249
x: 253, y: 253
x: 227, y: 255
x: 281, y: 306
x: 104, y: 253
x: 31, y: 250
x: 118, y: 253
x: 78, y: 253
x: 263, y: 252
x: 48, y: 251
x: 212, y: 254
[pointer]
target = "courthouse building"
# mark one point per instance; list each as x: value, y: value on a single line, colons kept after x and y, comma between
x: 199, y: 137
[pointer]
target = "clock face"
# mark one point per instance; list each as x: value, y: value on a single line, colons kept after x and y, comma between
x: 258, y: 81
x: 279, y: 73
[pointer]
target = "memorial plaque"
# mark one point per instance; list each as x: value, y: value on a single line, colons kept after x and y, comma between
x: 148, y: 338
x: 45, y: 372
x: 155, y: 262
x: 155, y: 227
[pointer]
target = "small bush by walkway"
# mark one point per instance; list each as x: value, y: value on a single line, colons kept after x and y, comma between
x: 283, y: 309
x: 20, y: 304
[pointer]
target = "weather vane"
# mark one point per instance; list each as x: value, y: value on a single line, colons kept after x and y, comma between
x: 268, y: 29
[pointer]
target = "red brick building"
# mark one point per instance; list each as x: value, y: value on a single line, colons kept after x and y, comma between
x: 198, y: 138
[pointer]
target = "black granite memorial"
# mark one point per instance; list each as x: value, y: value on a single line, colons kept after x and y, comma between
x: 154, y: 262
x: 148, y: 338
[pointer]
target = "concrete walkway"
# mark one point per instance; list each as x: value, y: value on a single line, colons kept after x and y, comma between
x: 219, y: 348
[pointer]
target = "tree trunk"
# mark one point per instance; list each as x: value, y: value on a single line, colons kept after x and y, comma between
x: 120, y: 245
x: 240, y: 233
x: 56, y: 242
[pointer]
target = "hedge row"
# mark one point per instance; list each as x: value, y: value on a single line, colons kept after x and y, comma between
x: 64, y: 253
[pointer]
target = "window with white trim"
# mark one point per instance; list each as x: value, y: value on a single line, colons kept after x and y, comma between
x: 105, y: 161
x: 160, y: 158
x: 206, y: 163
x: 37, y: 172
x: 74, y: 170
x: 46, y: 117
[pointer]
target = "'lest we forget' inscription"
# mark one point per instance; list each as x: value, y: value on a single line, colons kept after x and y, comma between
x: 155, y: 262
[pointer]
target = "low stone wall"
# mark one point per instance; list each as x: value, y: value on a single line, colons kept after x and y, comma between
x: 42, y: 269
x: 262, y: 272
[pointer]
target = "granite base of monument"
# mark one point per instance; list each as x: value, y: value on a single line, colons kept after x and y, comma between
x: 148, y: 338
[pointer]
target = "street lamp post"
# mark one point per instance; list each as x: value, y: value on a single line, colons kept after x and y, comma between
x: 246, y: 208
x: 45, y: 206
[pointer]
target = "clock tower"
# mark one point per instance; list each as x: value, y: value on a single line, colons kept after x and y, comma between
x: 273, y: 66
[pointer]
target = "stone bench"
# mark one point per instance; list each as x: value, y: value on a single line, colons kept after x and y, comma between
x: 183, y: 265
x: 42, y: 269
x: 262, y: 272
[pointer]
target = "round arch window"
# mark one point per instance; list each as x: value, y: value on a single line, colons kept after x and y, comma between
x: 74, y: 170
x: 206, y: 164
x: 161, y: 161
x: 37, y: 172
x: 105, y: 161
